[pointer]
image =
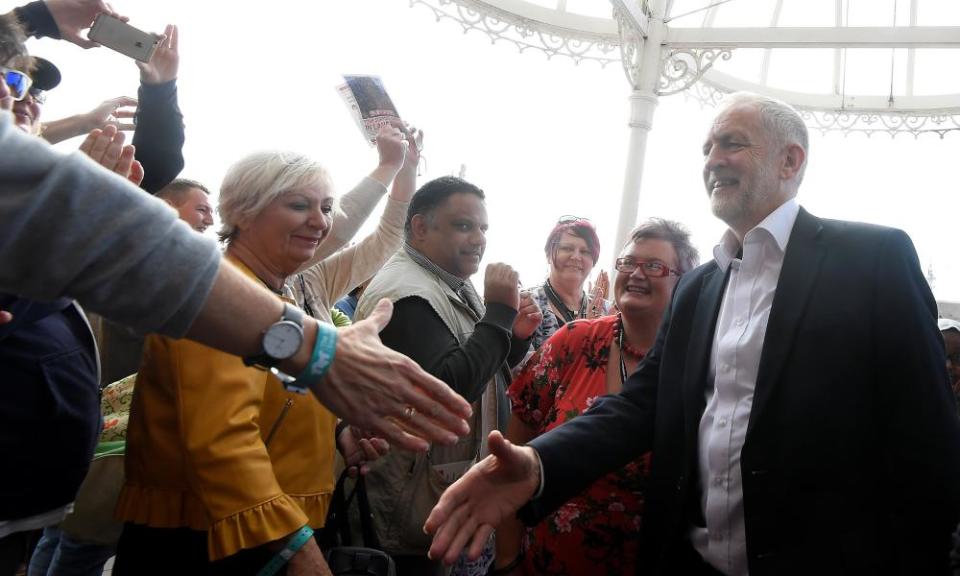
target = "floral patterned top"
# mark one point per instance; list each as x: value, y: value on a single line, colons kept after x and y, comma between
x: 597, y: 532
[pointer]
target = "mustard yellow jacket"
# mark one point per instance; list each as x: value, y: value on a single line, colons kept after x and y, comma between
x: 196, y: 456
x: 196, y: 451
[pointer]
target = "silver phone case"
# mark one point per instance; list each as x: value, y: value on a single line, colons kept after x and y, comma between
x: 123, y: 38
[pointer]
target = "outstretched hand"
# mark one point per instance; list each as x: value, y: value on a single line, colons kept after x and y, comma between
x: 382, y: 391
x: 491, y: 491
x: 116, y: 112
x: 74, y: 16
x: 165, y: 63
x: 106, y: 147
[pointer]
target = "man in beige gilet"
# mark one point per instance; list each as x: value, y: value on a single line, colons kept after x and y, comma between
x: 441, y: 322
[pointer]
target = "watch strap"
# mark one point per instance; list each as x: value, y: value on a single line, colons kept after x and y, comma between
x: 263, y: 360
x: 293, y: 314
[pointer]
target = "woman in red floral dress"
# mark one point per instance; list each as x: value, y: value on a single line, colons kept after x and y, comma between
x: 597, y: 532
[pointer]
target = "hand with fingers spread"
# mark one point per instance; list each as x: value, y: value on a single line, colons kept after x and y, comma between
x: 106, y: 147
x: 491, y: 491
x: 598, y: 295
x: 529, y: 317
x: 373, y: 387
x: 501, y: 284
x: 359, y: 449
x: 414, y: 138
x: 165, y: 63
x: 74, y: 16
x: 115, y: 112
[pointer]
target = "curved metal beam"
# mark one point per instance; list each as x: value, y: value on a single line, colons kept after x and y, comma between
x: 926, y: 105
x: 802, y: 37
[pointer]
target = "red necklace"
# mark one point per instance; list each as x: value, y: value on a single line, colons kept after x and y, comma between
x: 632, y: 350
x: 625, y: 346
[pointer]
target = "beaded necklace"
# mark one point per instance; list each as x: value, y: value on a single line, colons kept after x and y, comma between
x: 625, y: 348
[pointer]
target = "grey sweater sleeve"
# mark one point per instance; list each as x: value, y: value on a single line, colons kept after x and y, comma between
x: 68, y: 227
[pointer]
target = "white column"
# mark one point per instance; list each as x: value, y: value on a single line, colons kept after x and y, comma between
x: 643, y: 103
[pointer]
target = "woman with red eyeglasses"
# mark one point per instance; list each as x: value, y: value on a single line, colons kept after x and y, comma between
x: 597, y: 532
x: 572, y: 249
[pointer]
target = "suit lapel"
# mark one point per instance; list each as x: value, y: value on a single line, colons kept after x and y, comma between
x: 698, y: 351
x: 801, y: 267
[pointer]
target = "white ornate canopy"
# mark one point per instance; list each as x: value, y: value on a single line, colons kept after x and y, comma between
x: 884, y: 66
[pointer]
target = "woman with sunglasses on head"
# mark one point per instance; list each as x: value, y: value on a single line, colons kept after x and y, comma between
x: 597, y: 532
x: 572, y: 250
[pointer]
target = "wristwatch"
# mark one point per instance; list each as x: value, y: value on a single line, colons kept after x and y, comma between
x: 281, y: 340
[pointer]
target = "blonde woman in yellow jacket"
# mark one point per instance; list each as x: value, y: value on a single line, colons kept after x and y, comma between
x: 224, y: 467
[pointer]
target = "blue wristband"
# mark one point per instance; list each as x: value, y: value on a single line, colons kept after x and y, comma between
x: 294, y: 544
x: 324, y: 350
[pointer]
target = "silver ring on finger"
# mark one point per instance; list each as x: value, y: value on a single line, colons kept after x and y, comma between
x: 409, y: 412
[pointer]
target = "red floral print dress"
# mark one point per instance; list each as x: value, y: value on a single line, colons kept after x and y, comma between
x: 597, y: 532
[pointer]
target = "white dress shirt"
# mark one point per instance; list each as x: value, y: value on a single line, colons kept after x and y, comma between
x: 735, y: 359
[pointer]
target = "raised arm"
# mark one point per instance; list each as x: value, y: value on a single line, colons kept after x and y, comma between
x: 336, y: 275
x: 357, y: 204
x: 115, y: 111
x: 159, y: 136
x: 63, y: 19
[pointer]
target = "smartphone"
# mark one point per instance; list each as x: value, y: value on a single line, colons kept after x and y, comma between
x: 124, y: 38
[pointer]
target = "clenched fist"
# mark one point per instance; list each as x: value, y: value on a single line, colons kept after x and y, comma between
x: 501, y: 283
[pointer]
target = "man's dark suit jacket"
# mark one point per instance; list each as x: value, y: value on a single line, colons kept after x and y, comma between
x: 850, y: 463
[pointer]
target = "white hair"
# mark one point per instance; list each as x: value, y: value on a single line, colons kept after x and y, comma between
x: 257, y: 180
x: 781, y: 121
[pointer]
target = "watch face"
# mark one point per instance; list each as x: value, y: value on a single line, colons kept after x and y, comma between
x: 282, y: 340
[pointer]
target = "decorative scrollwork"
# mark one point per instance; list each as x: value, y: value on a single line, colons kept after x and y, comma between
x: 851, y: 121
x: 681, y: 68
x: 524, y: 33
x: 631, y: 48
x: 870, y: 122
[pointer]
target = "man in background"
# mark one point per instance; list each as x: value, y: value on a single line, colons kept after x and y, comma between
x: 191, y: 200
x: 441, y: 323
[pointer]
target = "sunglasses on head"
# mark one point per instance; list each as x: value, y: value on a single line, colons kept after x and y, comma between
x: 568, y: 219
x: 19, y: 82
